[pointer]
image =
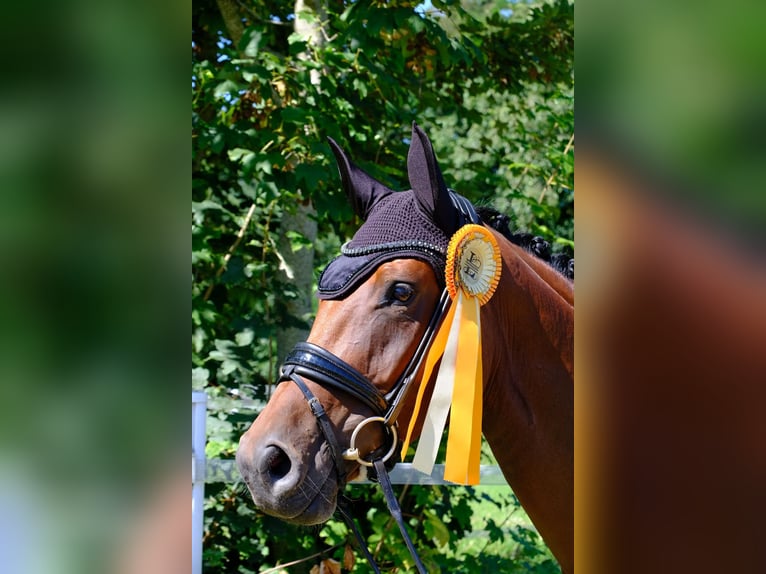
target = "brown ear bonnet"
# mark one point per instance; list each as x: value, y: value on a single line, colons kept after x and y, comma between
x: 413, y: 224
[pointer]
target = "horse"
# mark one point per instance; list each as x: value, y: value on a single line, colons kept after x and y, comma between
x: 378, y: 300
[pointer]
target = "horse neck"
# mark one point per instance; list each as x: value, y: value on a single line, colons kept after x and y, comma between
x: 528, y: 358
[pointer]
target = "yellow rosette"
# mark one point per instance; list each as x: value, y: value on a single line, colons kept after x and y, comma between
x: 472, y: 274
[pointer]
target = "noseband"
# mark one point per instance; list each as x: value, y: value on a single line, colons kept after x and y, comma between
x: 321, y: 366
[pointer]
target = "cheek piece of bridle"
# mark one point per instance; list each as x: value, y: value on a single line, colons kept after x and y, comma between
x: 331, y: 372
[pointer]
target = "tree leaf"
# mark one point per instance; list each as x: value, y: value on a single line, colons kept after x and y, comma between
x: 250, y: 43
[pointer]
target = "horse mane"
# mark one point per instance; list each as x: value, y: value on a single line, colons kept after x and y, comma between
x: 561, y: 261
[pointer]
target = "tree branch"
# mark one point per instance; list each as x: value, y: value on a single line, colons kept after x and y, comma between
x: 230, y: 252
x: 548, y: 183
x: 279, y: 567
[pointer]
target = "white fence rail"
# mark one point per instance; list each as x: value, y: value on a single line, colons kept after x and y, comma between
x: 220, y: 470
x: 225, y: 470
x: 199, y: 406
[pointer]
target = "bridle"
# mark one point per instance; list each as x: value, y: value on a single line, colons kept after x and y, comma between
x: 332, y: 372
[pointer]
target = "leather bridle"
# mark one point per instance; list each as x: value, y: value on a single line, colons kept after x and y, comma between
x: 326, y: 369
x: 330, y: 371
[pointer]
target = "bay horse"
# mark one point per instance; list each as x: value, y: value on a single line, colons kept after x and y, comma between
x: 377, y: 303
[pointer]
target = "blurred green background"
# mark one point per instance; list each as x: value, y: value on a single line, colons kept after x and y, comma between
x: 94, y: 245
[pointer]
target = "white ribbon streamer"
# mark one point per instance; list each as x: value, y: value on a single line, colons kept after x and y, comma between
x: 441, y: 400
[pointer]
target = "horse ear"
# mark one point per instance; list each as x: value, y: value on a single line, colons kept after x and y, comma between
x: 362, y: 190
x: 428, y: 184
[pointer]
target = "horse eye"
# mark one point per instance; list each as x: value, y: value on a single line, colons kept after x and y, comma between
x: 402, y: 292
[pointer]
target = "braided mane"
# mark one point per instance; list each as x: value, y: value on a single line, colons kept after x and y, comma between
x: 534, y: 244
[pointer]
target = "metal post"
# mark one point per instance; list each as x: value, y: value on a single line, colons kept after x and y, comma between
x: 199, y: 405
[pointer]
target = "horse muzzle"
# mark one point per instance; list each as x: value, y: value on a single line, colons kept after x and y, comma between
x: 287, y: 484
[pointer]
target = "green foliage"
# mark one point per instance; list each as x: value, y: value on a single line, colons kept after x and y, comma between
x: 491, y: 83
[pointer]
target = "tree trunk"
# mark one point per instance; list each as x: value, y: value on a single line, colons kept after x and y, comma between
x: 300, y: 263
x: 232, y: 18
x: 297, y: 268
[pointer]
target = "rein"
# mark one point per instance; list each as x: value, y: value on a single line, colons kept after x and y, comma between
x: 325, y: 368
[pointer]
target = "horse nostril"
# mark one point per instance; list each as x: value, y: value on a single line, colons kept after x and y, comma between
x: 275, y: 462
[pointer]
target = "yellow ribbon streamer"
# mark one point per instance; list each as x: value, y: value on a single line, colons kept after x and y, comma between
x: 472, y: 274
x: 464, y: 440
x: 439, y: 407
x: 434, y: 354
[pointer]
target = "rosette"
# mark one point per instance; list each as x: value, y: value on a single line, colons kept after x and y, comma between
x: 472, y: 274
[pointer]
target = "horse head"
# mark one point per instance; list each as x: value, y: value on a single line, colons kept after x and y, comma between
x: 377, y: 300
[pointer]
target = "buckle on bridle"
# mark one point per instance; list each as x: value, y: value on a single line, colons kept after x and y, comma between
x: 352, y: 453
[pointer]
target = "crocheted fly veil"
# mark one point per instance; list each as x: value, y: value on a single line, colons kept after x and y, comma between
x: 415, y: 224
